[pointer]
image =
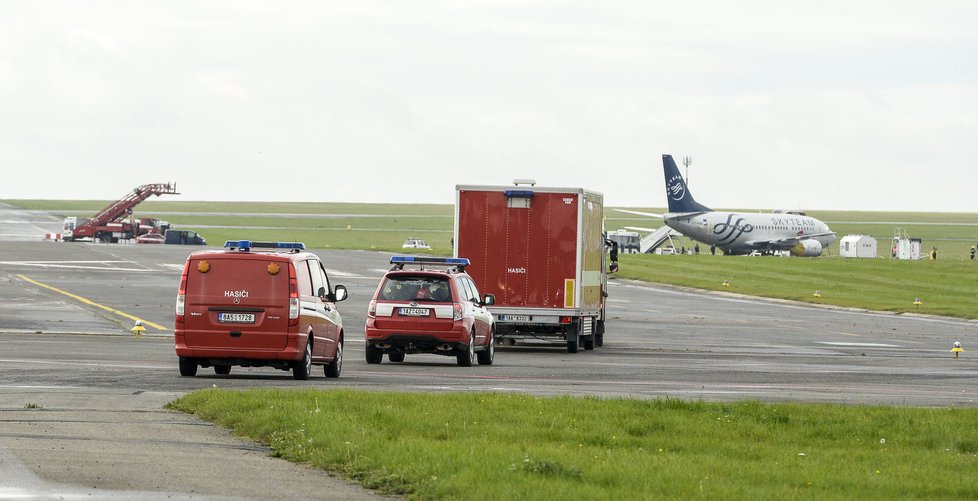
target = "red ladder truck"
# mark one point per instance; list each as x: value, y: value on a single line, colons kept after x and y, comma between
x: 114, y: 222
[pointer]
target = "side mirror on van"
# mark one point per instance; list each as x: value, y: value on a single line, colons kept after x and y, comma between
x: 339, y: 293
x: 489, y: 300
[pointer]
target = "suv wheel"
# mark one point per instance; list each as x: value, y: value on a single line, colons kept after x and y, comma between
x: 396, y: 356
x: 487, y: 355
x: 303, y: 367
x: 188, y: 367
x: 374, y: 355
x: 222, y: 370
x: 465, y: 358
x: 333, y: 368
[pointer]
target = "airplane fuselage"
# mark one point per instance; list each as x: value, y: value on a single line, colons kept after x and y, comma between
x: 742, y: 233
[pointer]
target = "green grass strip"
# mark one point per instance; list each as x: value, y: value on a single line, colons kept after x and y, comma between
x: 945, y: 287
x: 517, y: 446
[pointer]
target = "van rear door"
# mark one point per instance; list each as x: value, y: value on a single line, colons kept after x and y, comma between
x: 239, y: 302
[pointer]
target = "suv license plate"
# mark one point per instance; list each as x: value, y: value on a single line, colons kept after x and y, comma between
x: 236, y: 318
x: 412, y: 312
x: 514, y: 318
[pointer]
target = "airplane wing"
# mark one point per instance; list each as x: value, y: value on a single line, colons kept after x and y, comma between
x: 787, y: 243
x: 639, y: 213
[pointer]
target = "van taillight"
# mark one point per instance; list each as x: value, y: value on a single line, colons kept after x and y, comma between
x: 372, y: 309
x: 182, y: 295
x: 293, y: 296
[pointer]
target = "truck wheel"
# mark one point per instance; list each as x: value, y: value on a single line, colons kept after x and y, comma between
x: 303, y: 367
x: 222, y: 370
x: 589, y: 343
x: 599, y: 335
x: 374, y: 355
x: 465, y: 358
x: 487, y: 355
x: 396, y: 356
x: 333, y: 368
x: 188, y: 367
x: 573, y: 338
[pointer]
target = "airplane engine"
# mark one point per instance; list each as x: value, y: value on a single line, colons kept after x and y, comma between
x: 807, y: 248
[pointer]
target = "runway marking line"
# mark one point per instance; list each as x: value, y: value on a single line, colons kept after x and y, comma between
x: 93, y: 303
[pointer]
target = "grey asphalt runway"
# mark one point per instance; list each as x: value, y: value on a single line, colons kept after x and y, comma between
x: 66, y: 310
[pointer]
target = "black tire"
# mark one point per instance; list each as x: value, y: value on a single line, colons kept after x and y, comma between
x: 599, y: 334
x: 589, y: 343
x: 396, y: 356
x: 222, y: 370
x: 333, y: 368
x: 466, y: 357
x: 487, y: 355
x: 188, y: 367
x: 303, y: 367
x: 573, y: 338
x: 374, y: 355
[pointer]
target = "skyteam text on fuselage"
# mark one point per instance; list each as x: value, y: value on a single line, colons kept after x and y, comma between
x: 739, y: 232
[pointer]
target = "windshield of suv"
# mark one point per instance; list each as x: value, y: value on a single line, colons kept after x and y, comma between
x: 408, y: 288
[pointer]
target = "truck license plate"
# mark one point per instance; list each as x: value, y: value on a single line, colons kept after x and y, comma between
x: 412, y: 312
x: 514, y: 318
x: 236, y: 318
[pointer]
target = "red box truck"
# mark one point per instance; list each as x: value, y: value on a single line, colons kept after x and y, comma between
x: 541, y: 252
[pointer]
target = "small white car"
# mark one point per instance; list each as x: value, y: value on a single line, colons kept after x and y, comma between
x: 415, y: 243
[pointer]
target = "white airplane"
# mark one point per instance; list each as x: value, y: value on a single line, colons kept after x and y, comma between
x: 736, y: 232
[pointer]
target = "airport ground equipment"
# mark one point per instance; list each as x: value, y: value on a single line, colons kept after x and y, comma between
x: 542, y: 253
x: 629, y: 242
x: 115, y: 222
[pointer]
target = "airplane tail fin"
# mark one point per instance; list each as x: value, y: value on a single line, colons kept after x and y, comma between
x: 677, y: 193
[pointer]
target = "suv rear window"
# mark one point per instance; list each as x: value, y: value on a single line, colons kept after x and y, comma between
x: 416, y: 288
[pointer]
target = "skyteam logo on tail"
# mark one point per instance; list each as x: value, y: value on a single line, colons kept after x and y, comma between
x: 676, y: 188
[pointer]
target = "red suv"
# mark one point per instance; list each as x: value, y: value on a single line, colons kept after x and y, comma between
x: 427, y: 310
x: 258, y: 304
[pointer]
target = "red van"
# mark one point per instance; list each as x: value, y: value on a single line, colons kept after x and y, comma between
x: 258, y: 304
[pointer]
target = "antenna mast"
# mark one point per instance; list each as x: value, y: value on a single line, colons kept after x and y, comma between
x: 687, y: 161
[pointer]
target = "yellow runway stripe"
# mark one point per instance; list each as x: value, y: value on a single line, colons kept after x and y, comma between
x: 93, y: 303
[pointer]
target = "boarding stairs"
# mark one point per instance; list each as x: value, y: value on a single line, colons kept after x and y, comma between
x: 653, y: 240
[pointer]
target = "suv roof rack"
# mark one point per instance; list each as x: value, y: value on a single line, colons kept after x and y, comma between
x: 247, y: 245
x: 456, y: 263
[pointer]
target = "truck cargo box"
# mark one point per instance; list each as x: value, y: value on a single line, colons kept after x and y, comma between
x: 541, y: 252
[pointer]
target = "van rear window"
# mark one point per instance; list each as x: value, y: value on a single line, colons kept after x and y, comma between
x: 249, y: 280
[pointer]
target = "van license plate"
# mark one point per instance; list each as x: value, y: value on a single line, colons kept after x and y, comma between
x: 514, y: 318
x: 236, y: 318
x: 412, y: 312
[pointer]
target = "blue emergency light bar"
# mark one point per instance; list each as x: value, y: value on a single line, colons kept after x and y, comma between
x: 518, y: 193
x: 246, y: 245
x: 429, y: 260
x: 400, y: 261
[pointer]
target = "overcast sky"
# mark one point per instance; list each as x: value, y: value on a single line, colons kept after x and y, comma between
x: 862, y: 105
